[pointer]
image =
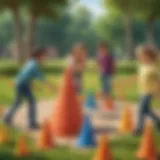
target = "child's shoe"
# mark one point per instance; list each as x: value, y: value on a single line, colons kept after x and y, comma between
x: 7, y: 122
x: 35, y: 126
x: 137, y: 133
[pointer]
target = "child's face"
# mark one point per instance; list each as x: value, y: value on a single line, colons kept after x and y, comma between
x: 103, y: 50
x: 42, y: 58
x: 81, y: 53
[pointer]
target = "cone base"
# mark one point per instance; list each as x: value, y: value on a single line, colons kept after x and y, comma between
x: 66, y: 136
x: 46, y: 147
x: 23, y: 154
x: 125, y: 130
x: 109, y: 108
x: 143, y: 156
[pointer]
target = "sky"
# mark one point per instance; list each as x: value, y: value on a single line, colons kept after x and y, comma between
x: 93, y: 5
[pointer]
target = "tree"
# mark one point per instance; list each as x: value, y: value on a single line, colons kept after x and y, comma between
x: 110, y: 28
x: 149, y: 11
x: 81, y: 29
x: 72, y: 27
x: 14, y: 7
x: 50, y: 9
x: 127, y: 7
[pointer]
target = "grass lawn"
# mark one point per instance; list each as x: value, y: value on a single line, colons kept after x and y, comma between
x: 124, y: 86
x: 123, y: 148
x: 91, y: 83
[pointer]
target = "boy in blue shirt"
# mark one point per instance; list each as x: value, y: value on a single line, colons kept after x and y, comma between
x: 28, y: 73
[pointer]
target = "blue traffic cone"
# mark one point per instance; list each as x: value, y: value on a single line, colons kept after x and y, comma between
x: 91, y: 102
x: 87, y: 136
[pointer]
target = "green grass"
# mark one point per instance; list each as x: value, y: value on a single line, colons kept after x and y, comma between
x: 123, y: 148
x: 91, y: 83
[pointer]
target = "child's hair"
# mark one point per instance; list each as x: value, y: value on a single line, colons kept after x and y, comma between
x: 149, y: 51
x: 38, y: 53
x: 78, y: 47
x: 103, y: 44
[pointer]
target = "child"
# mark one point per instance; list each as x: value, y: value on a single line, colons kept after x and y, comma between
x: 77, y: 62
x: 26, y: 76
x: 106, y: 66
x: 148, y: 84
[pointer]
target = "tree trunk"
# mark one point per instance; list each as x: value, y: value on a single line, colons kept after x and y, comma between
x: 129, y: 36
x: 18, y: 35
x: 150, y: 33
x: 30, y: 35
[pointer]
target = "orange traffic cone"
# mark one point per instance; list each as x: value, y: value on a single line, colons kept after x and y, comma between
x: 103, y: 152
x: 67, y: 116
x: 22, y: 147
x: 109, y: 104
x: 4, y: 137
x: 45, y: 140
x: 126, y: 123
x: 148, y: 149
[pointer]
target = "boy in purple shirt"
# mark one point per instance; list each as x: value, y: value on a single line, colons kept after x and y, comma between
x: 106, y: 67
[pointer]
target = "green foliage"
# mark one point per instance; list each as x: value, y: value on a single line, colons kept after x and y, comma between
x: 45, y: 8
x: 57, y: 67
x: 148, y: 9
x: 66, y: 31
x: 110, y: 28
x: 125, y: 6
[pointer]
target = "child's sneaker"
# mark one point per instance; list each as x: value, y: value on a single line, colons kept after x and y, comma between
x: 137, y: 133
x: 7, y: 122
x: 35, y: 126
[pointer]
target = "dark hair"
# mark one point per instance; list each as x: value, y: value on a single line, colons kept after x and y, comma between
x: 38, y: 52
x: 103, y: 44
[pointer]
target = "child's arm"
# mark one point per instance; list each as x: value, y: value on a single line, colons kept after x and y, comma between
x: 42, y: 78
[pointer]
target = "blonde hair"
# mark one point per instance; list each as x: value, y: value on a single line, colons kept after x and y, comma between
x: 149, y: 51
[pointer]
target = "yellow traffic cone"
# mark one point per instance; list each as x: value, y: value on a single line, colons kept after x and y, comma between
x: 126, y: 123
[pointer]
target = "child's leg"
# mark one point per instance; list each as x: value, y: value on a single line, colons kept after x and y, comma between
x: 144, y: 109
x: 106, y: 85
x: 154, y: 117
x: 32, y: 107
x: 8, y: 117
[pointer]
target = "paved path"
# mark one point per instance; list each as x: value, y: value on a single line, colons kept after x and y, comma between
x: 102, y: 120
